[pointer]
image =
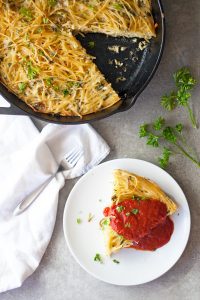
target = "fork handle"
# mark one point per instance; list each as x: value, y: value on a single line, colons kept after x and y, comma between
x: 25, y: 203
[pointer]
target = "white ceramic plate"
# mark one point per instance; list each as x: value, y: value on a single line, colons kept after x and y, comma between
x: 90, y: 195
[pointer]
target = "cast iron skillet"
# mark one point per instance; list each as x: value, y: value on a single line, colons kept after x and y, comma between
x: 137, y: 70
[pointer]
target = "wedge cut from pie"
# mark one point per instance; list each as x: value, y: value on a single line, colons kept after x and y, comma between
x: 138, y: 216
x: 128, y: 18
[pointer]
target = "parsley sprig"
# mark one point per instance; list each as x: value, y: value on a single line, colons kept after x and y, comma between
x: 184, y: 84
x: 160, y: 133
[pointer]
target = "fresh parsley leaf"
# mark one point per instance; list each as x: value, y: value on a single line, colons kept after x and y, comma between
x: 119, y: 208
x: 78, y: 220
x: 56, y: 88
x: 153, y: 140
x: 159, y: 123
x: 183, y: 97
x: 169, y: 101
x: 90, y: 6
x: 116, y: 261
x: 183, y: 79
x: 184, y: 83
x: 143, y: 131
x: 179, y: 127
x: 164, y: 160
x: 128, y: 214
x: 169, y: 135
x: 135, y: 211
x: 98, y: 258
x: 22, y: 86
x: 91, y: 44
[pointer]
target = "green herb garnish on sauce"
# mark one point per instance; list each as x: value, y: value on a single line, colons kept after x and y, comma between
x: 119, y: 208
x: 135, y: 211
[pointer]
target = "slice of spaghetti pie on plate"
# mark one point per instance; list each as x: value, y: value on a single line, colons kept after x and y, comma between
x: 138, y: 216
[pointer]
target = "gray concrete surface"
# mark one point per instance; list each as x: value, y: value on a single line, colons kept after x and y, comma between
x: 59, y: 277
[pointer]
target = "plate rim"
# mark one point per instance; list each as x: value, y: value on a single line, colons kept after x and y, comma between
x: 69, y: 245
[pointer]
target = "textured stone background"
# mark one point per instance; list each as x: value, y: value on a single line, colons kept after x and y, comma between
x: 59, y: 276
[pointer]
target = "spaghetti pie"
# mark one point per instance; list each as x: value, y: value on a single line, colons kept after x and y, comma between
x: 43, y: 63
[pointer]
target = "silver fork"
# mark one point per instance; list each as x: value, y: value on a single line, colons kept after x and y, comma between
x: 67, y: 163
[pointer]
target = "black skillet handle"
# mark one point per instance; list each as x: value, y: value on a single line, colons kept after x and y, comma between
x: 12, y: 110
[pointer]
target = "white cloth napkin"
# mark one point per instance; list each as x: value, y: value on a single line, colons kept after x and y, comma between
x: 27, y: 159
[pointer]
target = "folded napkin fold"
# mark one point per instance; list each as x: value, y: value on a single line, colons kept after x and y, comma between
x: 27, y: 159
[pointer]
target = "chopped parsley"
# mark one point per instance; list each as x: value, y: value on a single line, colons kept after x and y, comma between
x: 91, y: 44
x: 135, y: 211
x: 119, y: 208
x: 45, y: 20
x: 143, y: 130
x: 49, y: 81
x: 106, y: 222
x: 116, y: 261
x: 22, y: 86
x: 117, y: 6
x: 65, y: 92
x: 98, y: 258
x: 90, y: 7
x: 128, y: 214
x: 32, y: 71
x: 26, y: 13
x: 52, y: 2
x: 159, y: 123
x: 90, y: 217
x: 78, y: 220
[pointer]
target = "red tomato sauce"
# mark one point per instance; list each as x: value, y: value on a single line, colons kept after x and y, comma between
x: 145, y: 222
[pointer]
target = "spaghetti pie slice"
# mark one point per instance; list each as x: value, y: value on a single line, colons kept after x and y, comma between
x: 131, y: 186
x: 129, y: 18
